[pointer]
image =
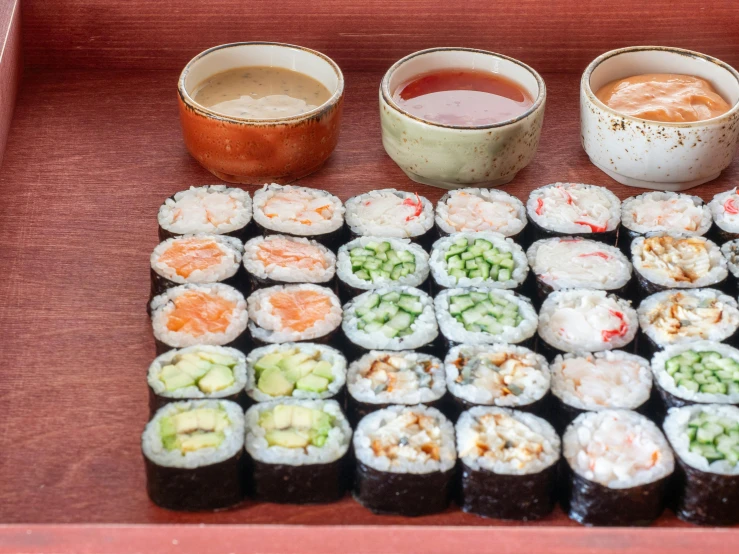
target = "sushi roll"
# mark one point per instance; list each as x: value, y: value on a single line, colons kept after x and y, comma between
x: 298, y: 451
x: 499, y: 375
x: 706, y: 443
x: 212, y: 209
x: 574, y: 209
x: 584, y: 320
x: 299, y: 212
x: 196, y: 373
x: 193, y: 454
x: 405, y: 461
x: 299, y: 370
x: 293, y: 313
x: 197, y: 259
x: 281, y: 259
x: 480, y: 259
x: 617, y: 468
x: 508, y: 463
x: 477, y: 316
x: 725, y: 212
x: 382, y: 378
x: 730, y: 252
x: 187, y: 315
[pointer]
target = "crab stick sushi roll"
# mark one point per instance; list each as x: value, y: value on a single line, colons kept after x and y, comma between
x: 508, y: 464
x: 193, y: 454
x: 730, y: 252
x: 705, y: 439
x: 299, y: 212
x: 574, y: 209
x: 298, y: 451
x: 725, y: 212
x: 211, y: 209
x: 405, y: 461
x: 187, y: 315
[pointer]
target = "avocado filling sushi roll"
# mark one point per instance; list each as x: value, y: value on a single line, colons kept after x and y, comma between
x: 725, y: 211
x: 405, y: 461
x: 706, y: 443
x: 508, y: 462
x: 298, y: 451
x: 476, y: 209
x: 193, y: 454
x: 617, y: 468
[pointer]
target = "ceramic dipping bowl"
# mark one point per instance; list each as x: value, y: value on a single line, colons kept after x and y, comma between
x: 450, y: 156
x: 654, y: 154
x: 258, y: 151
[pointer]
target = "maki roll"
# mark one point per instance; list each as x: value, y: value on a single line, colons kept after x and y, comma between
x: 617, y: 469
x: 706, y: 443
x: 293, y: 313
x: 508, y: 464
x: 730, y: 252
x: 485, y: 316
x: 383, y: 378
x: 196, y: 373
x: 298, y: 451
x: 299, y: 212
x: 187, y: 315
x: 212, y: 209
x: 583, y: 320
x: 193, y: 453
x: 564, y: 209
x: 725, y: 211
x: 405, y: 461
x: 300, y: 370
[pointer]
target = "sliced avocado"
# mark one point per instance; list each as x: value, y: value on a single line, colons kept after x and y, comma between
x: 218, y: 378
x: 321, y: 420
x: 274, y: 383
x: 270, y: 361
x: 283, y: 414
x: 193, y: 370
x: 312, y: 383
x: 288, y: 439
x: 267, y: 420
x: 306, y: 368
x: 302, y: 418
x: 167, y: 427
x: 174, y: 379
x: 206, y: 419
x: 185, y: 422
x: 293, y: 361
x: 220, y: 359
x: 201, y: 440
x: 324, y: 369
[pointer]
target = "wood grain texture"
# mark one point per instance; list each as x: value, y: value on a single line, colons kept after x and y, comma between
x: 11, y: 63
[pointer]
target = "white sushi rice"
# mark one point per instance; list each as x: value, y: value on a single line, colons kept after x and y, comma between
x: 318, y: 268
x: 574, y: 208
x: 726, y: 220
x: 475, y: 209
x: 730, y: 252
x: 216, y: 209
x: 336, y: 445
x: 344, y: 263
x: 408, y: 433
x: 618, y: 449
x: 506, y: 442
x: 231, y: 248
x: 300, y: 211
x: 666, y: 212
x: 389, y: 213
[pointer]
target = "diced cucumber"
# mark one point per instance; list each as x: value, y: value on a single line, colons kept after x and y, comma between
x: 372, y: 301
x: 400, y: 321
x: 504, y: 274
x: 482, y: 244
x: 362, y: 274
x: 410, y: 304
x: 391, y: 297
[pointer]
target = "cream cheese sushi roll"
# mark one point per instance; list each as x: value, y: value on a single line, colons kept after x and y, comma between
x: 730, y: 252
x: 725, y: 212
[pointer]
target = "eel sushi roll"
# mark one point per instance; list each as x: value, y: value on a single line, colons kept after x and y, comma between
x: 193, y: 452
x: 282, y: 259
x: 211, y: 209
x: 617, y: 468
x: 197, y: 373
x: 508, y: 463
x: 584, y: 320
x: 188, y: 315
x: 725, y: 212
x: 382, y: 378
x: 298, y: 451
x: 730, y: 252
x: 293, y: 313
x: 574, y: 209
x: 705, y: 439
x: 368, y: 263
x: 477, y: 316
x: 299, y: 212
x: 405, y: 461
x: 300, y: 370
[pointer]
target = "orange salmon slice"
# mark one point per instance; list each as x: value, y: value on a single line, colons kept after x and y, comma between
x: 197, y: 313
x: 186, y: 256
x: 300, y: 310
x: 284, y: 252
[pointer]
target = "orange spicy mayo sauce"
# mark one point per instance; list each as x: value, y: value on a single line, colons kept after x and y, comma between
x: 664, y: 97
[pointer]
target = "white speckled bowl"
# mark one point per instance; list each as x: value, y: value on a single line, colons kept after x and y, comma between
x: 654, y: 154
x: 449, y: 156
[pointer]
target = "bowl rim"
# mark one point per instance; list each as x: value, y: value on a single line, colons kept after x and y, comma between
x: 585, y: 85
x: 202, y: 110
x: 387, y: 96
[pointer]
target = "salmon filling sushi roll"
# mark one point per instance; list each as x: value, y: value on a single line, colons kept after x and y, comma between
x: 725, y: 212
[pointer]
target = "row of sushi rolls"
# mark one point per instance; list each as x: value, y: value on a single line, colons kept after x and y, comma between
x: 574, y: 349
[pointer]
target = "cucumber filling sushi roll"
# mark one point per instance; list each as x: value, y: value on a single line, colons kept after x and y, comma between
x: 617, y: 468
x: 405, y: 461
x: 298, y: 451
x: 706, y: 443
x: 475, y: 209
x: 725, y: 211
x: 508, y: 462
x: 193, y: 454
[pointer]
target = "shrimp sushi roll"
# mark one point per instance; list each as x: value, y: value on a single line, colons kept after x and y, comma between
x: 211, y: 209
x: 187, y: 315
x: 508, y: 463
x: 405, y: 461
x: 730, y: 252
x: 705, y: 439
x: 299, y: 212
x: 298, y: 451
x: 574, y: 209
x: 725, y: 212
x: 193, y: 454
x: 617, y: 469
